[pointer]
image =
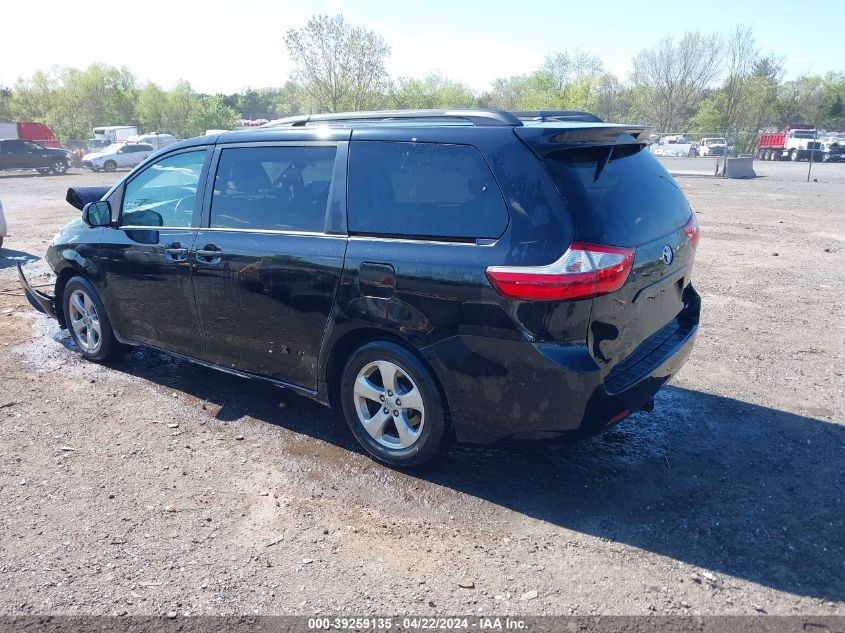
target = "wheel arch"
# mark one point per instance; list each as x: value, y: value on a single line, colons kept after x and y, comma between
x: 356, y: 338
x: 63, y: 276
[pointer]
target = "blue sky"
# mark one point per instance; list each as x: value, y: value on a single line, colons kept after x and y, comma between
x: 223, y: 46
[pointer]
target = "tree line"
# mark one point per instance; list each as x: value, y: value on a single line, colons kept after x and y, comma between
x: 710, y: 83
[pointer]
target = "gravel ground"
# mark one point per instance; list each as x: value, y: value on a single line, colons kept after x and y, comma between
x: 151, y: 486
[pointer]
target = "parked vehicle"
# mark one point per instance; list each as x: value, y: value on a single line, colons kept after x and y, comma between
x: 29, y: 131
x: 18, y: 154
x: 157, y: 140
x: 792, y: 143
x: 424, y: 272
x: 3, y: 228
x: 833, y: 149
x: 115, y: 133
x: 712, y: 146
x: 117, y: 155
x: 673, y: 145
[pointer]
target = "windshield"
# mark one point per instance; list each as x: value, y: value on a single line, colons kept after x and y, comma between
x: 627, y: 200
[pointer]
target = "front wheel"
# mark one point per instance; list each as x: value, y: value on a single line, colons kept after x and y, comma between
x: 110, y: 166
x: 392, y: 404
x: 59, y: 167
x: 793, y: 156
x: 86, y: 318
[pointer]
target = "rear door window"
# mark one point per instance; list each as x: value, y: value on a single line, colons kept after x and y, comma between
x: 424, y: 190
x: 618, y: 195
x: 273, y: 188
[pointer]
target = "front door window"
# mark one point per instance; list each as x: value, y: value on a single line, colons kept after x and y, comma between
x: 165, y: 193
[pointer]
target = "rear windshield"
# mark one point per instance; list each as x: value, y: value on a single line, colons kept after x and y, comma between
x: 619, y: 195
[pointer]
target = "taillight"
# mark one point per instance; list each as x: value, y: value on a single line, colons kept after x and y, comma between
x: 692, y: 231
x: 584, y: 271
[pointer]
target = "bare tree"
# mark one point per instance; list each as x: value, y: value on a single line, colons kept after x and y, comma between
x: 672, y: 76
x: 338, y: 66
x: 741, y: 56
x: 568, y: 69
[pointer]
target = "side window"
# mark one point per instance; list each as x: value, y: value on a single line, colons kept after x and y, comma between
x: 423, y: 190
x: 14, y: 147
x: 165, y: 193
x: 273, y: 188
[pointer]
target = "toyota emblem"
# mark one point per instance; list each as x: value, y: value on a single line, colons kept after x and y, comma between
x: 668, y: 255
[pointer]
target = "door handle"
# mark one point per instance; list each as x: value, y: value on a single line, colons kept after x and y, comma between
x: 208, y: 256
x: 175, y: 252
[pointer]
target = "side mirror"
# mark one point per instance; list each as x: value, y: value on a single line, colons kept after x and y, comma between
x: 97, y: 213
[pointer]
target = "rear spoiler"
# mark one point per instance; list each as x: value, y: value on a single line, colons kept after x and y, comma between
x: 544, y: 140
x: 556, y: 115
x: 80, y: 196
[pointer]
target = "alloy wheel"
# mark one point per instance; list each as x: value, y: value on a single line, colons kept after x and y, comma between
x: 389, y: 405
x: 85, y: 321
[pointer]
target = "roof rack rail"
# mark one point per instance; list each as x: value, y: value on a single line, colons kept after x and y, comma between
x: 476, y: 117
x: 557, y: 115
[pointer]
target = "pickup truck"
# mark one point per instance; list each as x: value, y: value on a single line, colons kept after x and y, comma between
x: 21, y: 154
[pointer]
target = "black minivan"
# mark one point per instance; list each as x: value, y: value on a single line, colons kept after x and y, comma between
x: 481, y: 273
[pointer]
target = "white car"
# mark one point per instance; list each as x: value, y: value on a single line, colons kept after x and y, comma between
x: 2, y: 225
x: 155, y: 139
x: 117, y: 155
x: 673, y: 146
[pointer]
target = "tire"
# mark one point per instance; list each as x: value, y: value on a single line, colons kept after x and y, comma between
x: 110, y: 166
x: 85, y: 314
x: 1, y: 241
x: 400, y: 435
x: 59, y: 167
x: 44, y: 171
x: 793, y: 156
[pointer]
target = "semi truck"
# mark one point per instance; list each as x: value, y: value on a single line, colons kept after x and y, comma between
x: 29, y: 131
x: 797, y: 142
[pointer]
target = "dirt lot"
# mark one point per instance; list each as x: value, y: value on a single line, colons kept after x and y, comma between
x: 151, y: 486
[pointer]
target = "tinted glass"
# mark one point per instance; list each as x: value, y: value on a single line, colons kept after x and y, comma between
x: 165, y: 193
x: 423, y: 190
x: 627, y: 200
x: 273, y: 188
x: 14, y: 147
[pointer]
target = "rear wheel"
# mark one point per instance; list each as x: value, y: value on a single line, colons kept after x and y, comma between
x: 86, y: 318
x: 793, y: 156
x: 59, y: 167
x: 110, y: 166
x: 392, y: 404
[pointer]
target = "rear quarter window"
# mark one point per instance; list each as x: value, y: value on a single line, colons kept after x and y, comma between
x: 423, y: 190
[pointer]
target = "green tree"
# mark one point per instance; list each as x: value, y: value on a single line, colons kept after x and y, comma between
x: 338, y: 66
x: 152, y: 108
x: 182, y: 103
x: 433, y: 91
x: 211, y: 113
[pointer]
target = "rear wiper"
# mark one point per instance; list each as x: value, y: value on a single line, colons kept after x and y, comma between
x: 600, y: 166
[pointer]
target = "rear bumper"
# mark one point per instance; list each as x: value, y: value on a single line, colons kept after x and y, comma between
x: 500, y: 388
x: 38, y: 300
